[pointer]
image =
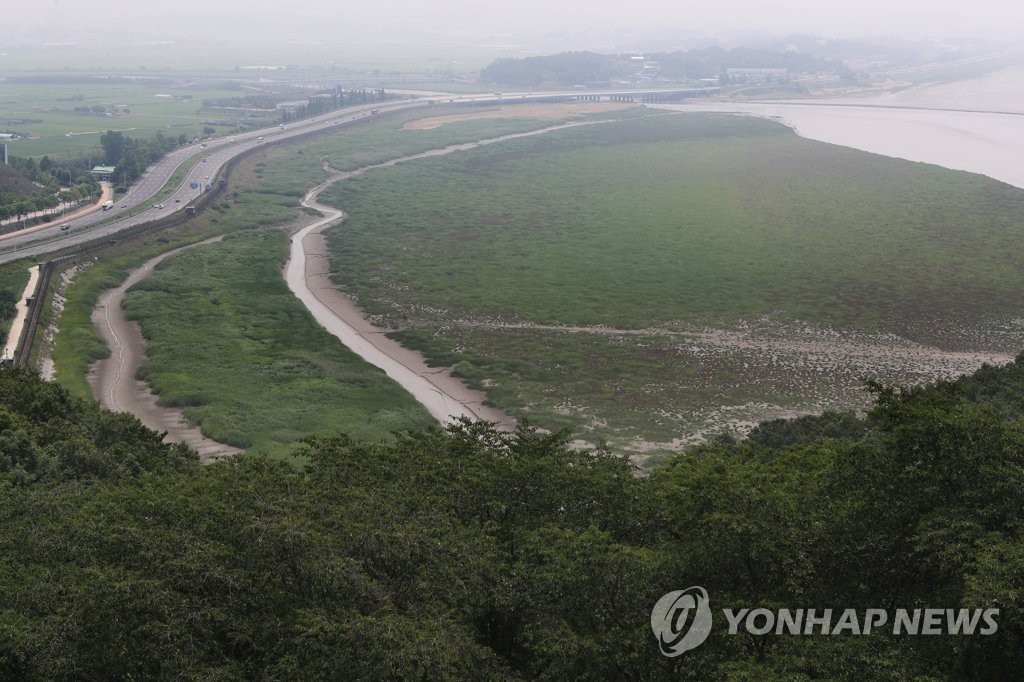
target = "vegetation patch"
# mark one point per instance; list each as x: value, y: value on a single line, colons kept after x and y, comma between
x: 679, y: 224
x: 228, y: 342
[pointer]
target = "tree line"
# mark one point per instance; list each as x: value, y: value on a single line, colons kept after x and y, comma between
x: 29, y: 186
x: 132, y: 156
x: 469, y: 553
x: 582, y: 68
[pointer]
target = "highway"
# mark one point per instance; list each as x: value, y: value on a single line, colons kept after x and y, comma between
x: 204, y: 163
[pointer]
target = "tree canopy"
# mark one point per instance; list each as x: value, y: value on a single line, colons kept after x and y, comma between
x: 474, y: 553
x: 582, y: 68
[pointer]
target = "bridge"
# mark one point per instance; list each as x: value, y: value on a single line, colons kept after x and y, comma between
x: 638, y: 96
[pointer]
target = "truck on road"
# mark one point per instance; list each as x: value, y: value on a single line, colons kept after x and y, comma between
x: 107, y: 205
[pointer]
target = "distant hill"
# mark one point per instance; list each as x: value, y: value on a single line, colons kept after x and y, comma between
x: 13, y: 185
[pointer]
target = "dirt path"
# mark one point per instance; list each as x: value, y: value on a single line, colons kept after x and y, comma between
x: 20, y: 314
x: 114, y: 386
x: 862, y: 349
x: 113, y: 380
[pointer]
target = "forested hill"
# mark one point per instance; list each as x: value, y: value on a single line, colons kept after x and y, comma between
x: 13, y: 185
x: 583, y: 68
x: 474, y: 554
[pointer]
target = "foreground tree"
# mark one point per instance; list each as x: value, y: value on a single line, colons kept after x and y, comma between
x: 473, y: 553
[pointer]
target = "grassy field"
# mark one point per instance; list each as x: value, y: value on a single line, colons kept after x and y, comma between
x: 228, y: 342
x: 692, y: 218
x: 386, y: 138
x: 575, y: 276
x: 259, y: 398
x: 676, y: 224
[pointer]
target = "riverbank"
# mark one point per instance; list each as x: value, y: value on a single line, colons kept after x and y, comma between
x: 307, y: 273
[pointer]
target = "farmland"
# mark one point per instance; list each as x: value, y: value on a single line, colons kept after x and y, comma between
x: 63, y: 116
x: 589, y: 277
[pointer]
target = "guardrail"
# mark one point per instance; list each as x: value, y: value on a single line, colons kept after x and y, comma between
x: 28, y: 333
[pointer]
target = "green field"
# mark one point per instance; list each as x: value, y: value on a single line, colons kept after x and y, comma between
x: 386, y: 138
x: 46, y: 111
x: 229, y: 343
x: 676, y: 224
x: 576, y: 276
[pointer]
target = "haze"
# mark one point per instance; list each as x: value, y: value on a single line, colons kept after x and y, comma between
x: 498, y: 24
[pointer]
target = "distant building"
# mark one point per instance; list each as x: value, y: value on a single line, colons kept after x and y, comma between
x: 103, y: 172
x: 3, y: 154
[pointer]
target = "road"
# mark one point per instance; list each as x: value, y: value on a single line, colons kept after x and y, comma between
x: 106, y: 194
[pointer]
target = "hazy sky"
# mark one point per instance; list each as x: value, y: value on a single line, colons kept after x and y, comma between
x: 511, y: 21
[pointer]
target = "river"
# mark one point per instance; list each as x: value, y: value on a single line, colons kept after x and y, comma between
x: 975, y: 126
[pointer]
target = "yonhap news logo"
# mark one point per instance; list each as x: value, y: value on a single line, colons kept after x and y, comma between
x: 681, y: 621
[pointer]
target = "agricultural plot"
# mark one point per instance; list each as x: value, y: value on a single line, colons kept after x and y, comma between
x: 656, y: 278
x: 66, y: 120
